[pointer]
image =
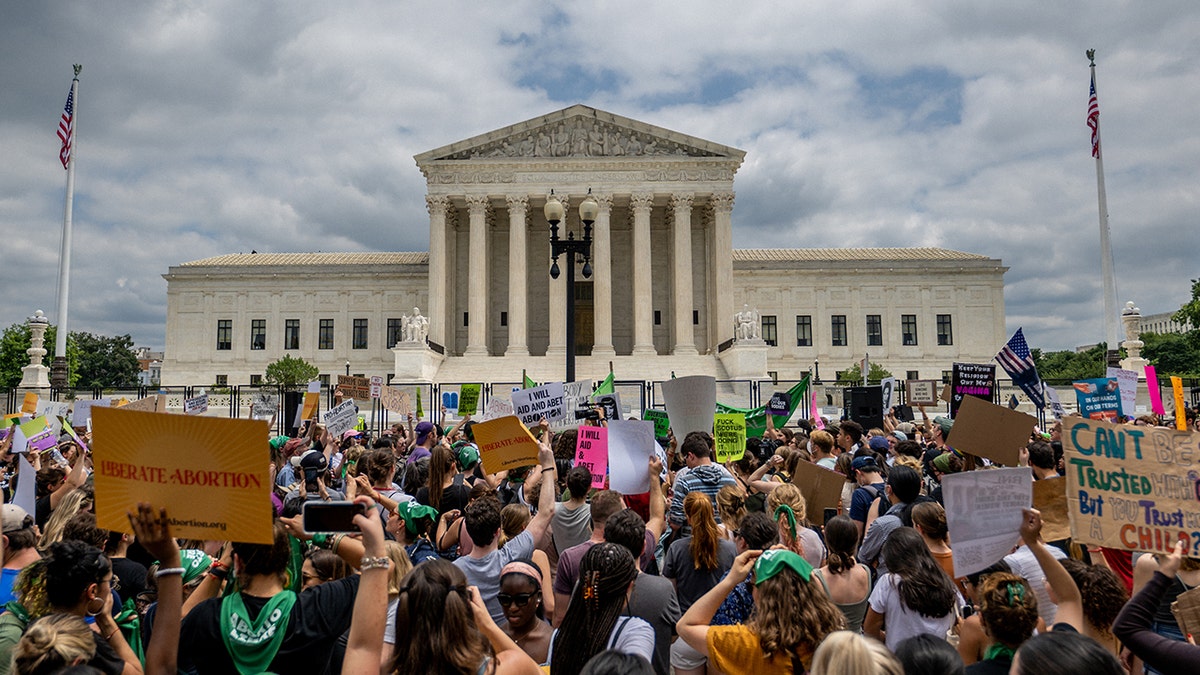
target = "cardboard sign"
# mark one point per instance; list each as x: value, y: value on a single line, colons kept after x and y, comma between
x: 889, y: 393
x: 971, y: 379
x: 921, y: 392
x: 264, y: 406
x: 196, y: 406
x: 591, y: 451
x: 468, y: 399
x: 1050, y: 497
x: 1099, y: 398
x: 983, y: 511
x: 531, y: 405
x: 1127, y: 381
x: 630, y: 444
x: 504, y: 443
x: 152, y: 403
x: 1156, y: 404
x: 779, y: 405
x: 376, y: 386
x: 341, y: 418
x: 355, y: 387
x: 988, y: 430
x: 209, y: 472
x: 662, y: 422
x: 1132, y: 488
x: 497, y: 407
x: 822, y: 487
x: 395, y: 400
x: 82, y: 410
x: 691, y: 402
x: 729, y: 432
x: 30, y: 405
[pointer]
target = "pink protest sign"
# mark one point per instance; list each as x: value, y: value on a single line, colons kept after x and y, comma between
x: 816, y: 414
x: 1156, y: 405
x: 591, y: 450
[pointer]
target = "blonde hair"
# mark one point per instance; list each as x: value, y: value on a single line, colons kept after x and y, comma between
x: 71, y: 504
x: 401, y: 565
x: 731, y: 503
x: 53, y: 642
x: 846, y: 653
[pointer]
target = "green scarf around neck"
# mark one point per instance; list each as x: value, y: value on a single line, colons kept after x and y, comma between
x: 253, y: 644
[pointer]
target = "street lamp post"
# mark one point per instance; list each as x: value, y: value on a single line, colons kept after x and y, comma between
x: 571, y: 247
x: 347, y: 367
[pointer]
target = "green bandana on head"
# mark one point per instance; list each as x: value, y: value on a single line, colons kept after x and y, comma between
x: 791, y: 517
x: 411, y: 511
x: 194, y: 563
x: 772, y: 562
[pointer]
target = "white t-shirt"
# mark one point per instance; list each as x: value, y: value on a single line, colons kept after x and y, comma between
x: 630, y: 635
x: 1024, y: 564
x: 902, y: 622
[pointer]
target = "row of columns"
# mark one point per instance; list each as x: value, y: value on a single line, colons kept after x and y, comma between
x: 641, y: 204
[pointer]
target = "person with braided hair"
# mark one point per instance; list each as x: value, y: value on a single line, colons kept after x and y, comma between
x: 1008, y: 612
x: 594, y: 621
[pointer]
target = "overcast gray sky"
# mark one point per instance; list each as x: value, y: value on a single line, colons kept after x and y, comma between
x: 223, y: 126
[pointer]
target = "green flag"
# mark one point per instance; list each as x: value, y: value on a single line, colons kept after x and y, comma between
x: 605, y: 386
x: 420, y: 411
x: 527, y: 383
x: 756, y: 418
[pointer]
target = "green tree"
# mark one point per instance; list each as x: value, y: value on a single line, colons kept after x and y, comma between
x: 853, y: 376
x: 1189, y: 313
x: 1172, y: 353
x: 1071, y: 365
x: 14, y: 342
x: 107, y: 362
x: 291, y: 372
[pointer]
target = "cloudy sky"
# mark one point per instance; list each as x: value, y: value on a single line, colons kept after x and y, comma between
x: 221, y: 126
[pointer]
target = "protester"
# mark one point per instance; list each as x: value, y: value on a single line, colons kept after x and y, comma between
x: 927, y: 654
x: 1103, y: 596
x: 613, y: 662
x: 20, y: 548
x: 702, y: 476
x: 849, y: 581
x: 1008, y: 614
x: 929, y: 520
x: 571, y: 524
x: 653, y: 599
x: 697, y: 562
x: 411, y: 524
x: 1064, y: 653
x: 870, y: 483
x: 322, y: 566
x: 1135, y: 624
x: 52, y: 644
x: 446, y: 490
x: 731, y: 507
x: 521, y: 597
x: 79, y: 499
x: 848, y: 653
x: 914, y: 597
x: 903, y: 487
x: 787, y: 506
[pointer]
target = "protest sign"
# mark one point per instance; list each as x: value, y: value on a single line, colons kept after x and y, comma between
x: 1050, y: 497
x: 576, y: 396
x: 729, y: 432
x: 1132, y: 488
x: 531, y: 405
x: 82, y: 410
x: 376, y: 386
x: 983, y: 512
x: 54, y: 412
x: 1156, y: 404
x: 988, y: 430
x: 504, y: 443
x: 355, y: 387
x: 889, y: 393
x: 497, y: 407
x: 779, y: 405
x: 29, y: 406
x: 1180, y: 410
x: 209, y: 472
x: 340, y: 418
x: 814, y: 413
x: 971, y: 379
x: 395, y: 400
x: 196, y: 406
x: 630, y: 444
x: 310, y: 405
x: 1098, y: 398
x: 591, y: 451
x: 264, y: 406
x: 691, y: 402
x: 822, y: 488
x: 26, y: 494
x: 611, y: 403
x: 1056, y: 406
x: 468, y: 399
x: 35, y: 435
x: 662, y: 422
x: 1127, y: 382
x: 152, y: 403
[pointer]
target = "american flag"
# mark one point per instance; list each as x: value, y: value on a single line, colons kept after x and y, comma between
x: 1016, y: 360
x: 66, y: 128
x: 1093, y: 119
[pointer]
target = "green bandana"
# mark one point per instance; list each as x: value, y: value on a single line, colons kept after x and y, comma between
x: 194, y: 563
x: 253, y: 644
x: 791, y: 518
x: 772, y: 562
x: 411, y: 511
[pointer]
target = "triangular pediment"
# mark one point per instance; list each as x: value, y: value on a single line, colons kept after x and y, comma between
x: 579, y: 131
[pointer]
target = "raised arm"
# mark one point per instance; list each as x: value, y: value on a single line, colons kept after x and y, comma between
x: 365, y: 645
x: 1133, y: 624
x: 545, y: 509
x: 153, y: 532
x: 693, y: 626
x: 1070, y: 602
x: 658, y: 504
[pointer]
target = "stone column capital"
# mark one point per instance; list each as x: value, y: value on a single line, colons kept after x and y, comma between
x: 722, y: 202
x: 604, y: 201
x: 518, y: 203
x: 682, y: 200
x: 477, y: 204
x: 640, y: 201
x: 437, y: 204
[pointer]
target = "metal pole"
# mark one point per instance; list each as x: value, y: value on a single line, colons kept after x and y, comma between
x: 570, y: 314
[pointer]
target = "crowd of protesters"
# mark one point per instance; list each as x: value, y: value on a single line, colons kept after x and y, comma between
x: 719, y: 568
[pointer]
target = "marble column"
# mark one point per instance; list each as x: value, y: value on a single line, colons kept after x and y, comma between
x: 643, y: 300
x: 438, y: 267
x: 602, y: 278
x: 722, y: 266
x: 477, y: 275
x: 684, y: 299
x: 518, y: 281
x: 557, y: 308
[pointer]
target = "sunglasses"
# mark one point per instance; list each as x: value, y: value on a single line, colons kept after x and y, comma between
x: 520, y: 600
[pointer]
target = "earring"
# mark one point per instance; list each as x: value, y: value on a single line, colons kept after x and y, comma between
x: 88, y: 608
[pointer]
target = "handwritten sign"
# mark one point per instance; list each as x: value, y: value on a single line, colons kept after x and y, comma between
x: 1132, y: 488
x: 591, y: 450
x: 983, y: 511
x: 210, y: 473
x: 353, y: 386
x: 197, y: 405
x: 341, y: 418
x: 630, y: 444
x: 988, y: 430
x: 395, y: 400
x: 691, y: 402
x: 576, y: 395
x: 1127, y: 382
x: 504, y: 443
x: 531, y: 405
x: 152, y: 403
x: 82, y: 411
x: 729, y: 432
x: 1099, y: 398
x: 662, y: 421
x: 971, y: 379
x: 468, y: 399
x: 264, y: 405
x: 496, y: 408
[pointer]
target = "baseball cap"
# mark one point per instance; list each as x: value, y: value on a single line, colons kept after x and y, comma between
x: 422, y: 431
x: 878, y: 443
x: 900, y: 435
x: 351, y: 433
x: 945, y: 423
x: 278, y: 442
x: 15, y: 518
x: 866, y: 463
x: 466, y: 453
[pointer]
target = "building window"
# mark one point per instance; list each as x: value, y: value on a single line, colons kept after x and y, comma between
x: 874, y: 330
x: 695, y: 317
x: 359, y: 340
x: 774, y: 375
x: 770, y: 331
x: 291, y: 334
x: 395, y: 332
x: 324, y: 380
x: 466, y: 319
x: 256, y: 380
x: 222, y: 380
x: 945, y: 331
x: 503, y: 319
x: 657, y: 317
x: 224, y: 334
x: 258, y: 334
x: 908, y: 328
x: 325, y: 334
x: 804, y: 331
x: 838, y: 327
x: 946, y: 375
x: 912, y: 375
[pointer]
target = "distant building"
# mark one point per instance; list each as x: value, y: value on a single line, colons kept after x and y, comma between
x: 1162, y: 324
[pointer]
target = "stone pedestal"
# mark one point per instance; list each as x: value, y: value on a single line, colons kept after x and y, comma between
x: 746, y: 359
x: 1131, y: 317
x: 416, y: 362
x: 36, y: 375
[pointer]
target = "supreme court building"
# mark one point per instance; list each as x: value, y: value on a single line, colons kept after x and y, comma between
x: 665, y: 290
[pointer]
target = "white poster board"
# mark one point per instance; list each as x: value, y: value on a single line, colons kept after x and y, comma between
x: 630, y: 444
x: 341, y: 418
x: 1127, y: 380
x: 983, y: 511
x: 691, y: 403
x: 531, y: 405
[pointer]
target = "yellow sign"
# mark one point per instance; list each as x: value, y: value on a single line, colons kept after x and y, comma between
x: 1180, y: 408
x: 505, y: 443
x: 729, y: 432
x: 209, y: 472
x: 29, y: 405
x: 311, y: 402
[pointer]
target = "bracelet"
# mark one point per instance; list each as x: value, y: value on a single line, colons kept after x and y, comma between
x: 169, y: 571
x: 219, y: 573
x: 111, y: 633
x: 380, y: 563
x: 335, y: 541
x: 220, y: 565
x: 548, y: 468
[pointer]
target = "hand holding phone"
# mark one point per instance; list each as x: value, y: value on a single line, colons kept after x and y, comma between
x: 331, y: 516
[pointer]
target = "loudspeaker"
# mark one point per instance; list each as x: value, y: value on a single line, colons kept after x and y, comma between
x: 864, y: 405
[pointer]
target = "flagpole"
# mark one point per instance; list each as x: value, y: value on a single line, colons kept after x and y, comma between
x: 1106, y: 257
x: 58, y: 367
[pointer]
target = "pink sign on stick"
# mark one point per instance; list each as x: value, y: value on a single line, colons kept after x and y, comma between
x: 591, y: 450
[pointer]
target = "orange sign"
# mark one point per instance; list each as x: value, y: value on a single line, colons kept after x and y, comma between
x: 29, y: 405
x: 505, y: 443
